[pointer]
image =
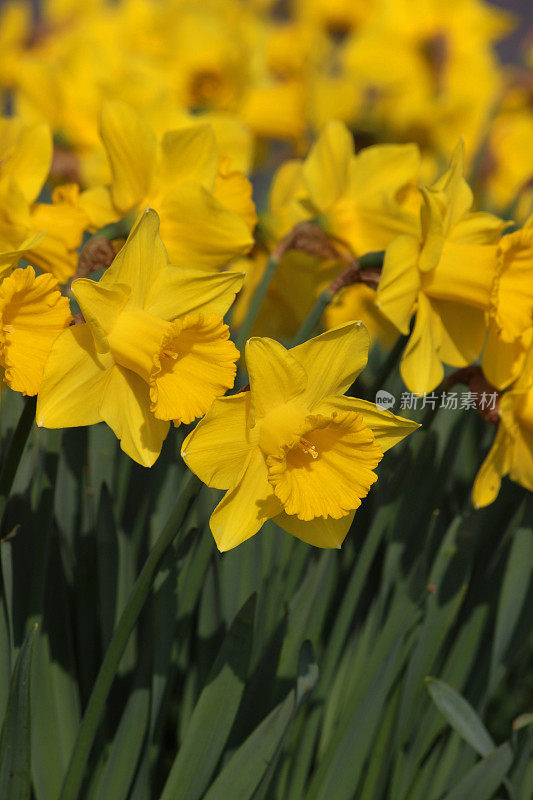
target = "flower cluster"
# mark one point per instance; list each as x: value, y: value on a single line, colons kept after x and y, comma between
x: 174, y: 168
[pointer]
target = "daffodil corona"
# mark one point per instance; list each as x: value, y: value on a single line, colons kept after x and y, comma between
x: 32, y: 314
x: 293, y: 448
x: 153, y: 347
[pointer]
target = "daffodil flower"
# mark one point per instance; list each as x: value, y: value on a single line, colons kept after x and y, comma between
x: 48, y: 233
x: 364, y: 199
x: 32, y: 314
x: 293, y: 448
x: 512, y: 450
x: 445, y: 275
x: 178, y: 178
x: 153, y: 347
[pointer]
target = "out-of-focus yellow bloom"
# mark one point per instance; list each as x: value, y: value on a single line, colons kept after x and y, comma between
x: 276, y: 109
x: 293, y: 448
x: 364, y: 200
x: 295, y: 287
x: 445, y: 275
x: 358, y: 302
x: 510, y: 156
x: 427, y: 73
x: 25, y: 157
x: 15, y: 26
x: 177, y: 178
x: 153, y: 348
x: 510, y: 332
x: 32, y: 314
x: 335, y: 16
x: 512, y: 450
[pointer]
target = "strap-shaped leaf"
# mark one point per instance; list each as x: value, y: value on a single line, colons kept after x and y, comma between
x: 214, y: 713
x: 461, y: 716
x: 15, y: 742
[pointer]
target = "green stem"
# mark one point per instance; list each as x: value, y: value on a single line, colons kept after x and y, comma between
x: 312, y: 320
x: 134, y: 605
x: 257, y: 301
x: 15, y: 451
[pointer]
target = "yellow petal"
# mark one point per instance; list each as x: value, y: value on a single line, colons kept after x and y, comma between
x: 74, y: 381
x: 243, y: 509
x: 98, y: 205
x: 30, y: 158
x: 388, y: 429
x: 177, y: 291
x: 218, y: 448
x: 453, y: 185
x: 420, y: 367
x: 139, y: 262
x: 332, y: 360
x: 358, y: 302
x: 479, y: 228
x: 9, y: 258
x: 100, y: 304
x: 400, y: 282
x: 384, y: 169
x: 198, y: 231
x: 465, y: 274
x: 521, y: 470
x: 132, y: 150
x: 125, y: 407
x: 319, y: 532
x: 275, y: 376
x: 463, y: 332
x: 433, y: 216
x: 188, y: 154
x: 504, y: 361
x: 329, y: 470
x: 234, y: 191
x: 493, y: 469
x: 326, y: 168
x: 195, y: 366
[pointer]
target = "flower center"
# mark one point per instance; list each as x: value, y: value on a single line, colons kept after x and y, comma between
x: 326, y: 468
x: 308, y: 448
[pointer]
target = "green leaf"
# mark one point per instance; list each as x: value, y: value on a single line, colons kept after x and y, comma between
x: 246, y: 768
x: 485, y: 777
x: 214, y: 713
x: 513, y: 594
x: 15, y: 741
x: 116, y: 777
x: 449, y: 576
x: 461, y: 716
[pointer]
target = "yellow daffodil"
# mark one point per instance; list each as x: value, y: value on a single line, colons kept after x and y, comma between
x: 153, y: 347
x: 32, y: 314
x: 509, y: 167
x: 365, y: 200
x: 428, y: 73
x: 177, y: 177
x: 25, y: 157
x: 512, y: 450
x: 445, y: 275
x: 293, y: 448
x: 510, y: 330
